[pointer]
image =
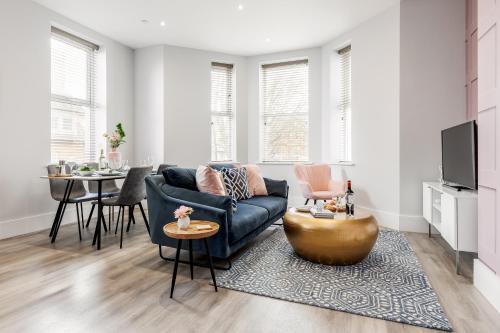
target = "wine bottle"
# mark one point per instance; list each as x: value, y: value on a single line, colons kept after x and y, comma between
x: 349, y: 199
x: 102, y: 160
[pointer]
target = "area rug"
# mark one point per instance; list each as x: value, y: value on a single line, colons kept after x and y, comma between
x: 389, y: 284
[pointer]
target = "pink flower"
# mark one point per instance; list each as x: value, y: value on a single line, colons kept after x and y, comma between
x: 183, y: 211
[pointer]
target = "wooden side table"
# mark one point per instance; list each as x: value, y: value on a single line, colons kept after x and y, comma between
x: 171, y: 230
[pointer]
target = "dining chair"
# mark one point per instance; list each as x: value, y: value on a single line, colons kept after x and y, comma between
x: 78, y: 196
x: 316, y: 182
x: 109, y: 189
x: 131, y: 194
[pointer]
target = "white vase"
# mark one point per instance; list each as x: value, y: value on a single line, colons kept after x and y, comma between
x: 183, y: 222
x: 115, y: 159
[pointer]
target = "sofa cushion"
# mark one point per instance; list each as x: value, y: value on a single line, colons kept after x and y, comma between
x: 236, y: 184
x: 246, y: 219
x: 219, y: 166
x: 209, y: 181
x: 276, y: 187
x: 256, y: 184
x: 273, y: 205
x: 181, y: 177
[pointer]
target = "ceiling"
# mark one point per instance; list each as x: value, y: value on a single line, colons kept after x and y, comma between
x: 260, y: 26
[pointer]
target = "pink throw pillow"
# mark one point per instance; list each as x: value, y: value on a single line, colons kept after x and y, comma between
x: 256, y: 184
x: 208, y: 181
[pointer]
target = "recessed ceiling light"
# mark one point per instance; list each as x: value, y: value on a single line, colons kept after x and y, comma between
x: 268, y: 40
x: 240, y: 7
x: 162, y: 23
x: 145, y: 21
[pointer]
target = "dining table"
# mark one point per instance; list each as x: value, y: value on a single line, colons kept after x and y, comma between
x: 70, y: 180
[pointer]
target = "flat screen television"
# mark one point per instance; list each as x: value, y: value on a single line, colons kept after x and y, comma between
x: 459, y: 156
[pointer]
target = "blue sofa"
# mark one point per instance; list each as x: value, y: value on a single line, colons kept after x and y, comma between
x: 177, y: 187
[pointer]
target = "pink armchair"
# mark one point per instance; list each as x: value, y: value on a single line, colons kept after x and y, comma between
x: 316, y: 182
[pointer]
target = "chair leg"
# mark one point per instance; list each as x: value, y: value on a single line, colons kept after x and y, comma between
x: 104, y: 222
x: 81, y: 213
x: 121, y: 235
x: 78, y: 220
x: 109, y: 217
x: 133, y: 219
x: 307, y: 200
x: 144, y: 217
x: 90, y: 216
x: 130, y: 217
x: 118, y: 219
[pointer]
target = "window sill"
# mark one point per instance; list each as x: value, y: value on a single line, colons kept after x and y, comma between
x: 282, y: 163
x: 343, y: 163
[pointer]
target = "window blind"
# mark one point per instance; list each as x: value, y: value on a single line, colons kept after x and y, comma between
x: 73, y: 80
x: 285, y: 111
x: 222, y: 114
x: 344, y: 106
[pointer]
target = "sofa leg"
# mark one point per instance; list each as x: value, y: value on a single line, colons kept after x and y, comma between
x: 314, y: 202
x: 222, y: 268
x: 307, y: 200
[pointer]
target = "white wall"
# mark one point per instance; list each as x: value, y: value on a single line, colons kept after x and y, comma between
x: 25, y: 203
x: 375, y: 113
x: 149, y: 115
x: 432, y: 93
x: 187, y: 104
x: 285, y: 171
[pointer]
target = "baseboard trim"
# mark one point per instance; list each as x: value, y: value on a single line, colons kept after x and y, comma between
x: 30, y: 224
x: 384, y: 218
x: 488, y: 283
x: 414, y: 223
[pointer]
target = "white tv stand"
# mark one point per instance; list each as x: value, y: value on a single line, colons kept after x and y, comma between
x: 453, y: 214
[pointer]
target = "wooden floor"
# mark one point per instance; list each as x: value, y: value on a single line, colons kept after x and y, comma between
x: 70, y: 287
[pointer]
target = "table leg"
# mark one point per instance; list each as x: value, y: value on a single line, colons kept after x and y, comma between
x: 191, y: 257
x: 97, y: 233
x: 174, y: 275
x: 65, y: 200
x: 56, y: 218
x: 211, y: 264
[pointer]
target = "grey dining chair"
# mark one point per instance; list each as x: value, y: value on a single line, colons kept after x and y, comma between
x: 132, y: 193
x: 77, y: 196
x: 109, y: 189
x: 163, y: 167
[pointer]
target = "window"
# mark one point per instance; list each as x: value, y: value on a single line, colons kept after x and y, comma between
x: 344, y: 122
x: 285, y: 111
x: 72, y: 98
x: 222, y: 114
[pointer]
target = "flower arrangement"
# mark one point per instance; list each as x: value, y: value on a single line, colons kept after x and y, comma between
x: 183, y: 211
x: 116, y: 138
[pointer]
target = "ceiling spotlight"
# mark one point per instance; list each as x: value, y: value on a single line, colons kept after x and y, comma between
x: 240, y: 7
x: 162, y: 23
x: 145, y: 21
x: 268, y: 40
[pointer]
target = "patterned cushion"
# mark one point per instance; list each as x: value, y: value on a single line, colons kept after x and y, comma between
x: 236, y: 184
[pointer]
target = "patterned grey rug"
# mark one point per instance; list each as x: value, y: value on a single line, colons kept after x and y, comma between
x: 389, y: 284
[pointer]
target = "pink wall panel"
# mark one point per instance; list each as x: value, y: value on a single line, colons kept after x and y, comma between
x: 471, y: 55
x: 488, y: 97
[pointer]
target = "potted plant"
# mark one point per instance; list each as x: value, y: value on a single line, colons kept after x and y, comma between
x: 115, y: 139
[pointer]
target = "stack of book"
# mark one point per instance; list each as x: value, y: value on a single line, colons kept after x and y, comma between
x: 322, y: 213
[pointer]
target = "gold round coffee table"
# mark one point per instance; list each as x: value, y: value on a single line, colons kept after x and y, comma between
x: 344, y: 240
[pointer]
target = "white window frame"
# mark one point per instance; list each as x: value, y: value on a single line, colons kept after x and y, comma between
x: 262, y: 116
x: 342, y: 156
x: 90, y: 100
x: 233, y: 111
